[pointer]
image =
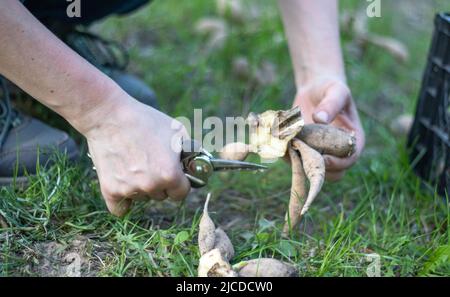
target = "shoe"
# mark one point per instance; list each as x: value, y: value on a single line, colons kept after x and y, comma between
x: 26, y: 142
x: 112, y: 59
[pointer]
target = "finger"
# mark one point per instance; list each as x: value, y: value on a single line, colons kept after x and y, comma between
x: 181, y: 189
x: 337, y: 164
x: 158, y: 195
x: 334, y: 102
x: 118, y: 207
x: 333, y: 176
x: 138, y: 196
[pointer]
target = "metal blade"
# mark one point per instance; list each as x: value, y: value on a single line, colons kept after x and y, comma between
x: 221, y: 164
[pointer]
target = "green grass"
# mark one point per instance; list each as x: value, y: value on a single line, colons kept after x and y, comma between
x: 380, y: 207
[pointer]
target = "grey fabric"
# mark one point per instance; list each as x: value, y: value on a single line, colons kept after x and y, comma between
x: 26, y: 141
x: 135, y: 87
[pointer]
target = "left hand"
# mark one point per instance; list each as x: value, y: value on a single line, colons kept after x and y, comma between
x: 328, y: 100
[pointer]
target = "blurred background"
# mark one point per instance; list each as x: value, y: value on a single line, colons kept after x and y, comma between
x: 196, y: 54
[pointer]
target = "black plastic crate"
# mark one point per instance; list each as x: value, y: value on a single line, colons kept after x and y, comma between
x: 429, y: 138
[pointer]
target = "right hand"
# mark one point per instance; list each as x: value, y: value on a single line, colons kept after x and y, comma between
x: 136, y: 152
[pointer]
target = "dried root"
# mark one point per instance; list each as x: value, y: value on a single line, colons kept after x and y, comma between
x: 327, y: 139
x: 314, y: 166
x: 298, y: 192
x: 265, y: 267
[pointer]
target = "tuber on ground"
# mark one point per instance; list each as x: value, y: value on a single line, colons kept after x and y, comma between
x: 215, y: 247
x: 206, y: 234
x: 265, y: 267
x: 223, y: 244
x: 216, y: 261
x: 402, y: 124
x: 211, y: 238
x: 356, y: 23
x: 213, y: 264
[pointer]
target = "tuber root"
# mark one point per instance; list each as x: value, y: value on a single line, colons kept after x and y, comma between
x: 235, y: 151
x: 213, y: 264
x: 327, y: 139
x: 314, y: 166
x: 206, y: 233
x: 298, y: 192
x: 265, y: 267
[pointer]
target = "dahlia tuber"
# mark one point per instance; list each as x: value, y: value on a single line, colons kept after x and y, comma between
x: 327, y: 139
x: 314, y: 166
x: 298, y: 191
x: 265, y: 267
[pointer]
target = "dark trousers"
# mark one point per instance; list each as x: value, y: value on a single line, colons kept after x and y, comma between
x: 49, y: 11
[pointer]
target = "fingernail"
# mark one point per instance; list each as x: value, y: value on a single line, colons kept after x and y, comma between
x: 322, y: 116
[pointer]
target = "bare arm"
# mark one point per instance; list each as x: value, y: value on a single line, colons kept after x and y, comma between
x: 313, y: 36
x: 43, y: 66
x: 312, y: 30
x: 130, y: 143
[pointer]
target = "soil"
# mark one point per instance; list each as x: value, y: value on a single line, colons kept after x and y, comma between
x: 78, y: 258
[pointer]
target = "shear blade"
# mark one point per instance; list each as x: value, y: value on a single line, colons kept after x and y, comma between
x: 221, y: 164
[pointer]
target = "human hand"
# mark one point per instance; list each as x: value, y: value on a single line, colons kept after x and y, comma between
x: 328, y: 100
x: 136, y: 152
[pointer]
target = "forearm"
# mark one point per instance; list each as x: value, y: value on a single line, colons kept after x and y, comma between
x: 312, y: 30
x: 43, y: 66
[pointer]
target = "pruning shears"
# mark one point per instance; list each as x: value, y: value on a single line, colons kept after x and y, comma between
x: 199, y: 164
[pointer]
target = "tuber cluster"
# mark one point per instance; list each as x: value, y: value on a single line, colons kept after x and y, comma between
x: 274, y: 134
x: 216, y: 252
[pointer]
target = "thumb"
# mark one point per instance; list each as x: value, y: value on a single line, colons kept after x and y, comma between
x: 334, y: 102
x: 118, y: 208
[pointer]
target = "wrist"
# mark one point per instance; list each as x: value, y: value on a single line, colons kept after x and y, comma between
x: 107, y: 102
x: 312, y: 74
